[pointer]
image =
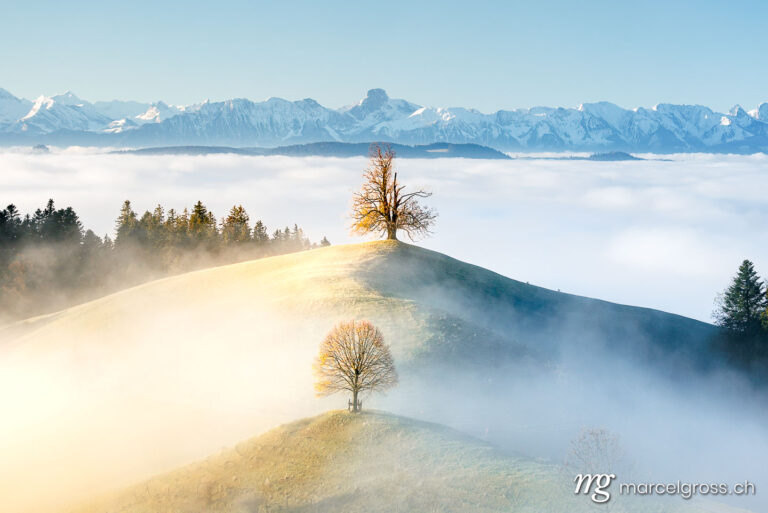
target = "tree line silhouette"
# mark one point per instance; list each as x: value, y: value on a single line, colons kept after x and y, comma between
x: 49, y: 261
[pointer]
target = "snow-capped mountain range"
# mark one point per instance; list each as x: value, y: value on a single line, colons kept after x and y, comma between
x: 68, y: 120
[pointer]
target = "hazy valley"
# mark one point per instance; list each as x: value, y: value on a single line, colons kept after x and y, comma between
x: 528, y: 367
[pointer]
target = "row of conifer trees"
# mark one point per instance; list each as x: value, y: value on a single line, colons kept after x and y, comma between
x: 49, y: 261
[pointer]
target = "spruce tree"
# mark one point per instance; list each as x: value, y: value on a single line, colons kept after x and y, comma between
x: 202, y: 224
x: 11, y: 233
x: 742, y: 305
x: 126, y: 224
x: 260, y: 235
x: 235, y: 227
x: 64, y: 226
x: 10, y: 225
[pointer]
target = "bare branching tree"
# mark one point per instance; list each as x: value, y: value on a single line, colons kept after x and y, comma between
x: 383, y: 207
x: 595, y: 450
x: 353, y: 357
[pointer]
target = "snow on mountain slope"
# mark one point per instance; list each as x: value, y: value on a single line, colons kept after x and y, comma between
x: 161, y: 111
x: 761, y: 112
x: 129, y: 115
x: 611, y: 113
x: 600, y: 126
x: 61, y: 112
x: 12, y: 108
x: 243, y: 122
x: 378, y: 107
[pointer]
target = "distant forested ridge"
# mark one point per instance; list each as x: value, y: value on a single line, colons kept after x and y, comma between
x: 49, y: 261
x: 334, y: 149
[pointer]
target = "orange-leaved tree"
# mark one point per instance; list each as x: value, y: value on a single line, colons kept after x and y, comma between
x: 354, y: 357
x: 383, y: 207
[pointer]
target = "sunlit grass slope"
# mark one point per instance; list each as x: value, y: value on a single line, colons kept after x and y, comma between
x: 160, y: 374
x: 371, y: 462
x: 444, y: 303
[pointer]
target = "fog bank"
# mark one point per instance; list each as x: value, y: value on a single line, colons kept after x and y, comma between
x: 663, y: 234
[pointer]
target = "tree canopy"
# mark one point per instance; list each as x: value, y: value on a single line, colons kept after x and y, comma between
x: 741, y: 307
x: 48, y: 260
x: 383, y: 207
x: 742, y: 312
x: 354, y: 357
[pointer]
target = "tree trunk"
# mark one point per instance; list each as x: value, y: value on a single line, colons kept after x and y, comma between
x: 391, y: 232
x: 355, y: 409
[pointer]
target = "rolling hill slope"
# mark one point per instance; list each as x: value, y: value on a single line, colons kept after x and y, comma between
x: 372, y: 462
x: 106, y: 392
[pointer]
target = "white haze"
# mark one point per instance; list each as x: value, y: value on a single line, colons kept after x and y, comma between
x: 666, y: 234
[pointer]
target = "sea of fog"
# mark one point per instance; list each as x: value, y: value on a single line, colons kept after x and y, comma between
x: 666, y: 233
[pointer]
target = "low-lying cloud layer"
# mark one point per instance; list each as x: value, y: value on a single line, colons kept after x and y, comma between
x: 666, y: 234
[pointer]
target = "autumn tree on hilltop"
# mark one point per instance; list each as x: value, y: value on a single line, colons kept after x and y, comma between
x: 354, y: 357
x: 383, y: 207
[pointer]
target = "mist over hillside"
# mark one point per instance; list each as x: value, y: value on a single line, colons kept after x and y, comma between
x: 401, y: 257
x: 67, y: 120
x: 372, y: 462
x: 123, y: 378
x: 666, y: 234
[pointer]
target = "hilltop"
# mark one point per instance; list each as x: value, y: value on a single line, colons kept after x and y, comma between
x: 370, y: 462
x: 116, y: 384
x: 344, y: 462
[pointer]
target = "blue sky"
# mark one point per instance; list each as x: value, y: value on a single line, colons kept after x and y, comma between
x: 488, y: 55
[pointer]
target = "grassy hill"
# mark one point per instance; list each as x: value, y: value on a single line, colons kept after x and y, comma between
x: 372, y: 462
x: 449, y: 307
x: 149, y: 378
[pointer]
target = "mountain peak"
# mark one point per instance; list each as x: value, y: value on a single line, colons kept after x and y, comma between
x: 377, y: 93
x: 738, y: 112
x: 600, y: 126
x: 68, y: 98
x: 310, y: 101
x: 375, y: 99
x: 762, y: 111
x: 11, y: 107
